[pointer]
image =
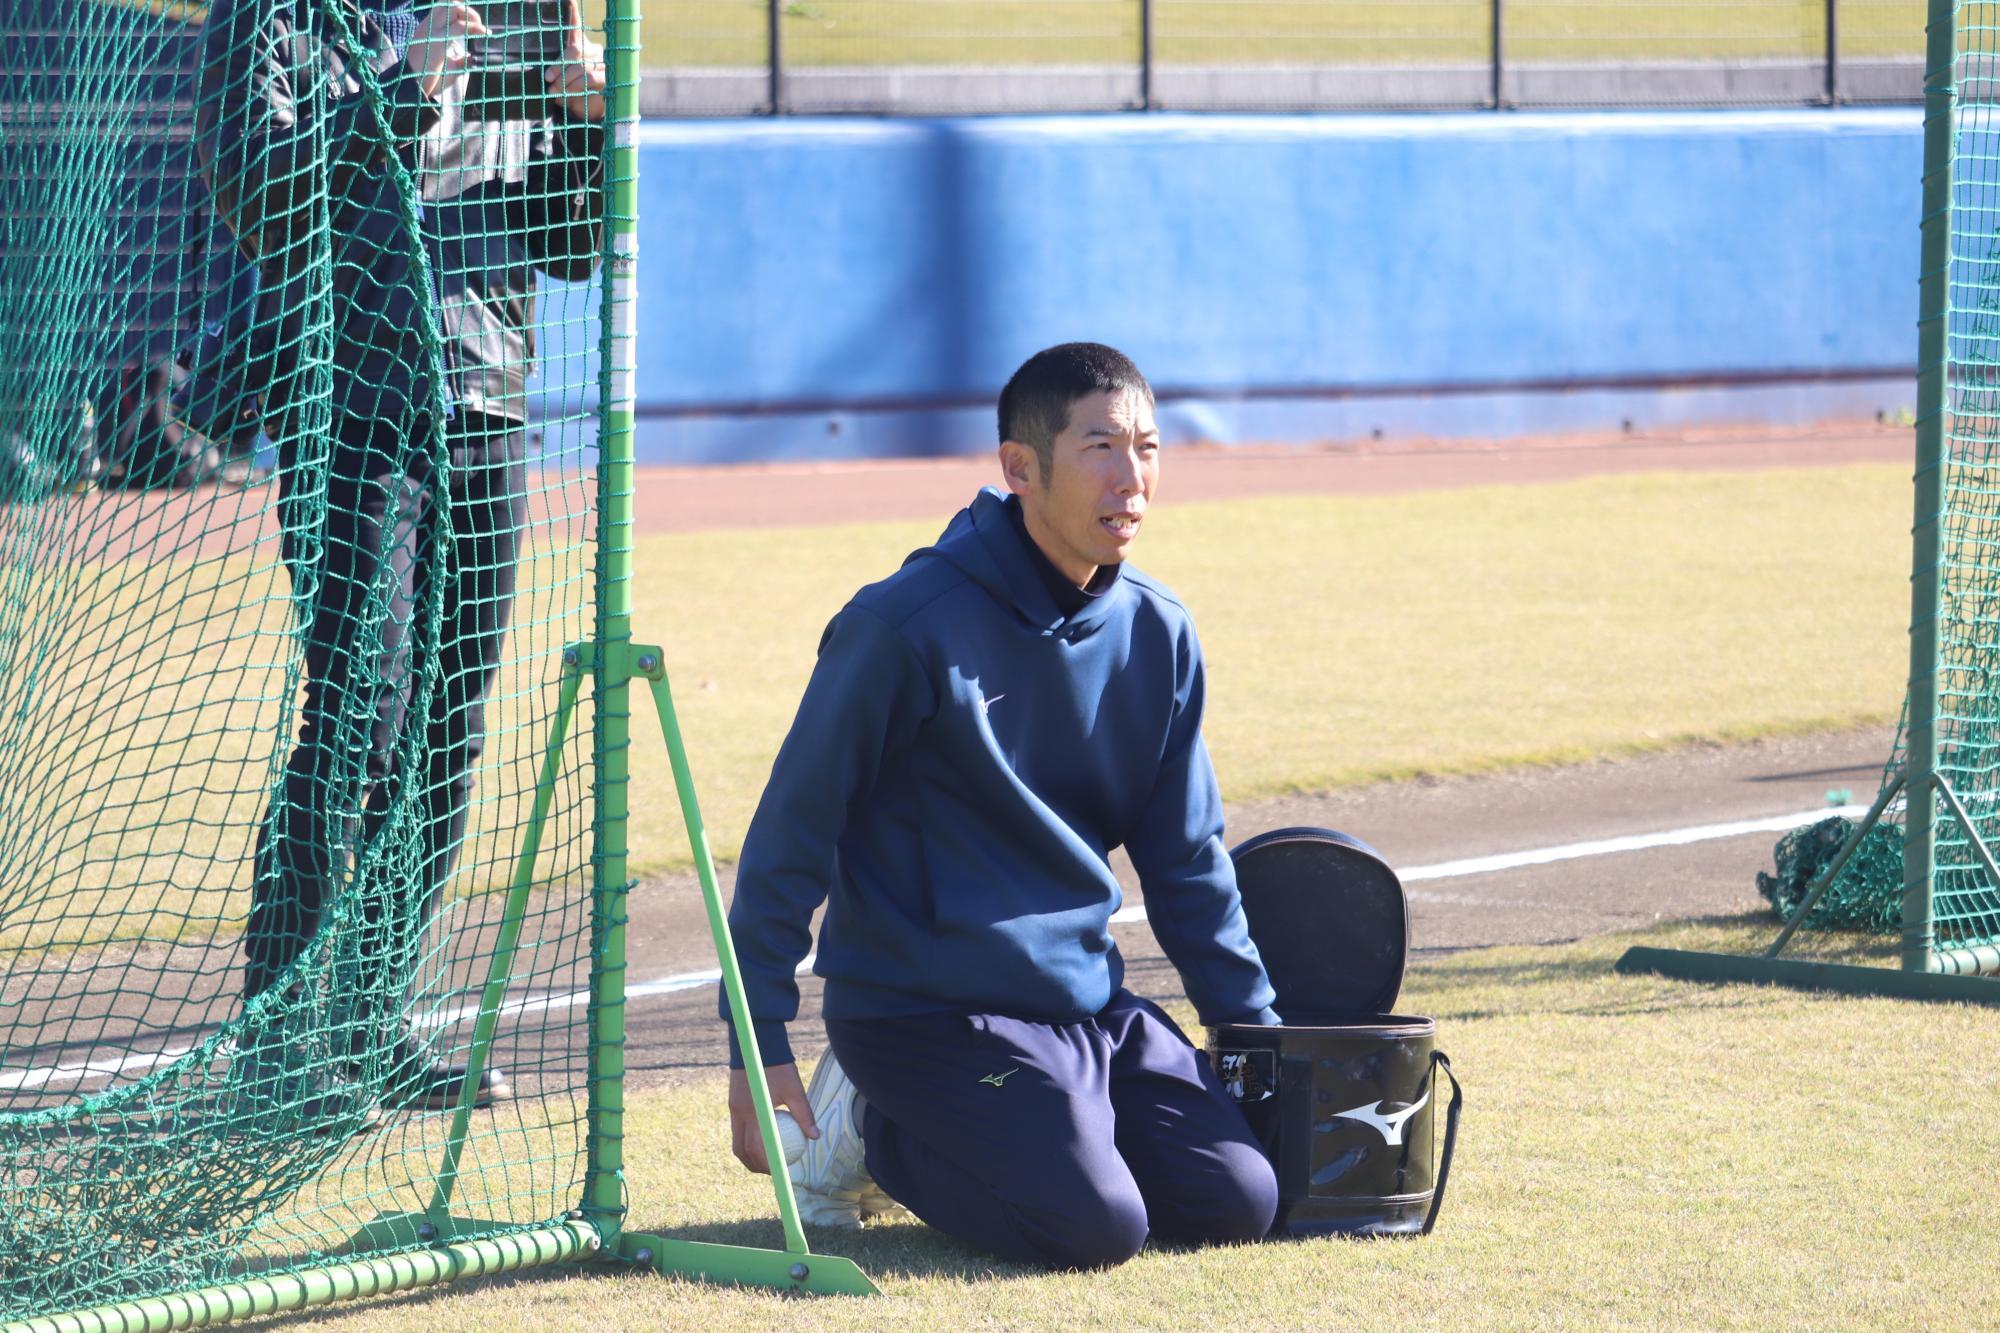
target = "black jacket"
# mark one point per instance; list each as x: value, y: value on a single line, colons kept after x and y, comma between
x: 299, y: 169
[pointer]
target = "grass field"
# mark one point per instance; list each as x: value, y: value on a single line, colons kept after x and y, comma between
x: 1636, y: 1153
x: 999, y: 32
x: 1347, y: 640
x: 1353, y: 639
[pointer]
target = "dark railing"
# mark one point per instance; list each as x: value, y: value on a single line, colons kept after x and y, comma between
x: 954, y: 56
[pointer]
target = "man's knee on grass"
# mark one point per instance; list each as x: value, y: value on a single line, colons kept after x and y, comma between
x: 1098, y: 1230
x: 1238, y: 1202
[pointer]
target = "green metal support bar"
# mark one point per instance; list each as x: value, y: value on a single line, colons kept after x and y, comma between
x: 1980, y: 850
x: 1981, y: 959
x: 509, y: 939
x: 278, y: 1293
x: 821, y: 1274
x: 401, y: 1231
x: 1934, y: 959
x: 725, y: 953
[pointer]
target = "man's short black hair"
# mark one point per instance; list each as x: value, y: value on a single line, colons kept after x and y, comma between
x: 1034, y: 407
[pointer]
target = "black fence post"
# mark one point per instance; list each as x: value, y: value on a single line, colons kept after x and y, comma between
x: 1833, y: 52
x: 1496, y: 99
x: 775, y: 14
x: 1147, y: 100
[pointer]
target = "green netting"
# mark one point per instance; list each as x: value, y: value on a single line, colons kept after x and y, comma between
x: 289, y: 550
x: 1965, y: 900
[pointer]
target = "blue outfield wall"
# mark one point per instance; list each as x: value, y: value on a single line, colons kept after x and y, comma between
x: 828, y: 288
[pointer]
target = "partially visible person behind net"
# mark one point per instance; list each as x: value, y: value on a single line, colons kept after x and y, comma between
x: 402, y: 458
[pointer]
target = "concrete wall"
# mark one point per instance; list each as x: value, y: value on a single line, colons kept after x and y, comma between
x: 818, y: 288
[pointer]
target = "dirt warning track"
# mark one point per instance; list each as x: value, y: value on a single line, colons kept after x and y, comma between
x: 780, y: 495
x: 1630, y: 816
x: 211, y: 522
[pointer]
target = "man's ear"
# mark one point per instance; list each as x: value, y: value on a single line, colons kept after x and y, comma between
x: 1019, y: 466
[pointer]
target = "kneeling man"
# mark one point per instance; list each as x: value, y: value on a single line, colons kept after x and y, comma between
x: 982, y: 729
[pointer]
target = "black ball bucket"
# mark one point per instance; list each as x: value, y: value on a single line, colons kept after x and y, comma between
x: 1343, y: 1096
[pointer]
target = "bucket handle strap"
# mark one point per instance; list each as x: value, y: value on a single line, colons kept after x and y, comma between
x: 1439, y: 1060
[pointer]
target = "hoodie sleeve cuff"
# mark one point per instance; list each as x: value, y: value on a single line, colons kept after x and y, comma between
x: 1267, y: 1017
x: 773, y: 1046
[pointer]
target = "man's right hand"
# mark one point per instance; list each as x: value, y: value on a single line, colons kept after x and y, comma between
x: 786, y: 1091
x: 439, y: 54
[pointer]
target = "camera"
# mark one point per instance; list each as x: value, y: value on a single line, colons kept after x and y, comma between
x: 523, y: 38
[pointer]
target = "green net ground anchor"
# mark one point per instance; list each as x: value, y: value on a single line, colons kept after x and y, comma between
x: 1795, y: 974
x: 778, y: 1270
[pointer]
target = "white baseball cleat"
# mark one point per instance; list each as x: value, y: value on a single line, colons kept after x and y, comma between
x: 830, y: 1174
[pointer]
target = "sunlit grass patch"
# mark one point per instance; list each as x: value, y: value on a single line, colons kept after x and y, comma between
x: 1636, y: 1152
x: 1347, y: 639
x: 1351, y: 639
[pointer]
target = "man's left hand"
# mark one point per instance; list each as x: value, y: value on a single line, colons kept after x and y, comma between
x: 577, y: 84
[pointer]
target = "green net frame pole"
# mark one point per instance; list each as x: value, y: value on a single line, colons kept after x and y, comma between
x: 1926, y: 528
x: 1925, y: 972
x: 279, y: 1293
x: 603, y: 1195
x: 615, y: 662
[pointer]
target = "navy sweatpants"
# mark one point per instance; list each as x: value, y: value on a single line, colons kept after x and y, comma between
x: 1064, y: 1145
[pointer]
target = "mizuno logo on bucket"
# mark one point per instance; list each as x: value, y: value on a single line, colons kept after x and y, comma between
x: 1390, y: 1124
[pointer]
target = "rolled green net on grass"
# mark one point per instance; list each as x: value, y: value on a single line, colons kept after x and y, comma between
x: 1868, y: 895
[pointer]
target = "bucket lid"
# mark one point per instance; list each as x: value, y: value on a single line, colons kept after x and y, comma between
x: 1329, y: 918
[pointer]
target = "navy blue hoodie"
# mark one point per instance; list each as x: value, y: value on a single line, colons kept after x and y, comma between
x: 964, y: 760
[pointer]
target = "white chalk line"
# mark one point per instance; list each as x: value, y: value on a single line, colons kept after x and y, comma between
x: 139, y: 1062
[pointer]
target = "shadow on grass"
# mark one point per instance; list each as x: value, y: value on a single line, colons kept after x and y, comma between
x: 900, y: 1249
x: 1752, y: 932
x: 1557, y: 979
